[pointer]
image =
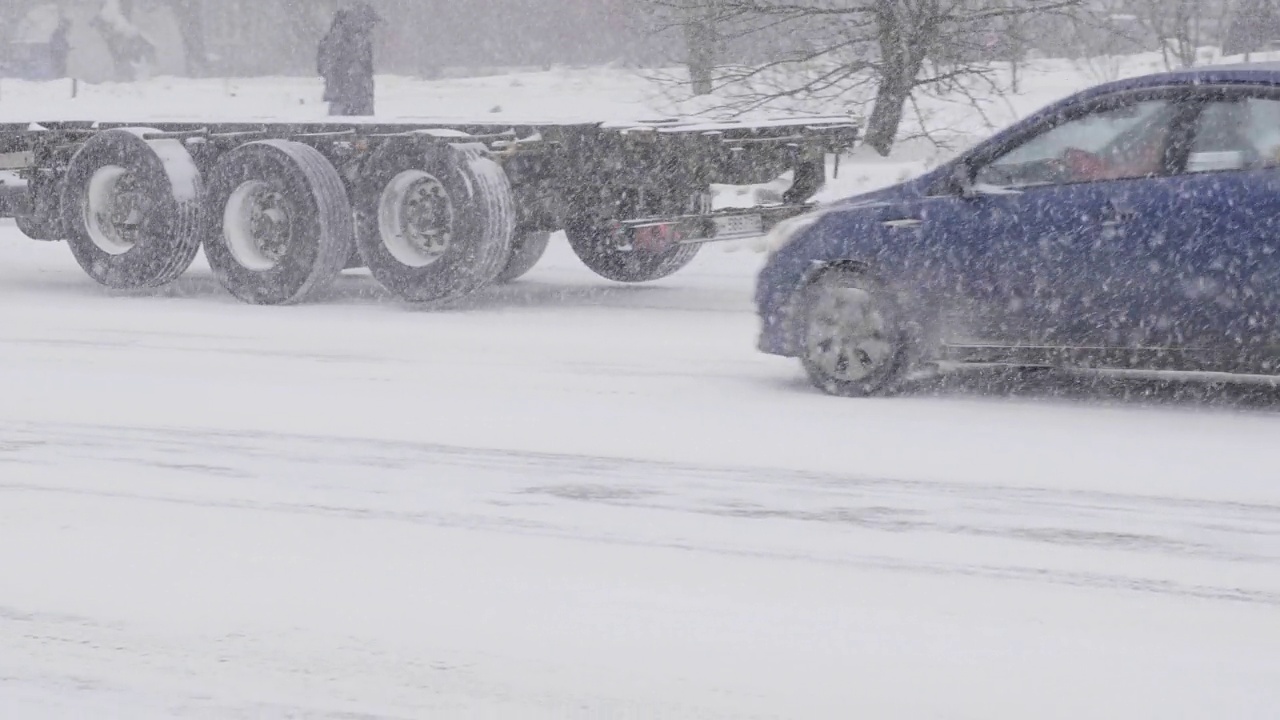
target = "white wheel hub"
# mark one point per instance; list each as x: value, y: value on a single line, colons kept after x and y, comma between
x: 847, y: 335
x: 257, y: 224
x: 415, y: 218
x: 114, y: 209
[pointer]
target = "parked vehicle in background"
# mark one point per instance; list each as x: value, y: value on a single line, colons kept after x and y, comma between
x: 1135, y: 226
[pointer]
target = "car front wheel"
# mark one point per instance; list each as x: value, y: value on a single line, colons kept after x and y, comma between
x: 854, y: 339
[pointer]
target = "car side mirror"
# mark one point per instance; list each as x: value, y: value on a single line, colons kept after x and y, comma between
x: 962, y: 181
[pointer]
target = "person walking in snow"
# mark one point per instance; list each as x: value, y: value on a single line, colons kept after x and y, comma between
x: 60, y: 48
x: 345, y: 61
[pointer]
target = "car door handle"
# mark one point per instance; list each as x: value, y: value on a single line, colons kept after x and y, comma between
x: 903, y: 223
x: 1117, y: 214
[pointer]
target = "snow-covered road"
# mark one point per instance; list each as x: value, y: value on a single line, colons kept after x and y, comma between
x: 576, y: 499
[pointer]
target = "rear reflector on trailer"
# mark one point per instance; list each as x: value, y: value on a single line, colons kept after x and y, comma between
x: 656, y: 238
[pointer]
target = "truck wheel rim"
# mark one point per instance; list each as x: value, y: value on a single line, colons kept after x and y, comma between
x: 847, y: 335
x: 257, y: 224
x: 114, y: 209
x: 415, y: 218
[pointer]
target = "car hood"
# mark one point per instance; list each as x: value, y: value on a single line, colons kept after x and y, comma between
x: 786, y: 232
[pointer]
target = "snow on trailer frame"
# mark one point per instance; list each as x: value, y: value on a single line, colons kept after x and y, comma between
x: 434, y: 210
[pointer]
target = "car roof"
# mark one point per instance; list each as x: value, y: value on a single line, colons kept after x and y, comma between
x: 1257, y: 73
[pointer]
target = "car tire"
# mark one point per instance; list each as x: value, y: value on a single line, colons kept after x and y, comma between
x: 854, y: 338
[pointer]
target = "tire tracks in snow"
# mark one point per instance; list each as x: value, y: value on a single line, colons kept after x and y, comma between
x: 632, y: 501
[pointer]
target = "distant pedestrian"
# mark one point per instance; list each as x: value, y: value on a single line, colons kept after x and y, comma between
x: 345, y: 61
x: 60, y: 48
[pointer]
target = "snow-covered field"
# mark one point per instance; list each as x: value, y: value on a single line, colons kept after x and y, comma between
x: 570, y: 498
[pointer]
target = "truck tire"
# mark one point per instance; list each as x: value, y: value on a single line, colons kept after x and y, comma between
x: 36, y: 228
x: 131, y: 209
x: 598, y: 246
x: 435, y: 221
x: 526, y: 251
x: 278, y: 223
x: 355, y: 262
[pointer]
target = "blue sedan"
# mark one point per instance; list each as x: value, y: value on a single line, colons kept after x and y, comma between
x: 1135, y: 225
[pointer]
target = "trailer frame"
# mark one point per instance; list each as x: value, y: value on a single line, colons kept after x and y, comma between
x: 633, y: 197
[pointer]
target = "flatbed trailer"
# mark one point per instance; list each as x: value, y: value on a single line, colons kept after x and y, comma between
x: 434, y: 210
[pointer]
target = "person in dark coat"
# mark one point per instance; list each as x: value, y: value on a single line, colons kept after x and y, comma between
x: 345, y: 61
x: 60, y: 48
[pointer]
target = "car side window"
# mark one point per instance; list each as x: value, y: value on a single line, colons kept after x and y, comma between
x: 1236, y: 133
x: 1123, y: 141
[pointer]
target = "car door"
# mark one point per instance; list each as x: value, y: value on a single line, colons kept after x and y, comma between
x: 1214, y: 267
x: 1049, y: 209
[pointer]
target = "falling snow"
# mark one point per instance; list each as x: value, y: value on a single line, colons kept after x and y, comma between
x: 567, y: 497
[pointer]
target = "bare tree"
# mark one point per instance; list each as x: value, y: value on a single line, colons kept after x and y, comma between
x: 1097, y: 38
x: 190, y: 17
x: 700, y: 33
x: 885, y: 49
x: 132, y: 52
x: 1014, y: 45
x: 1177, y: 24
x: 1253, y: 26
